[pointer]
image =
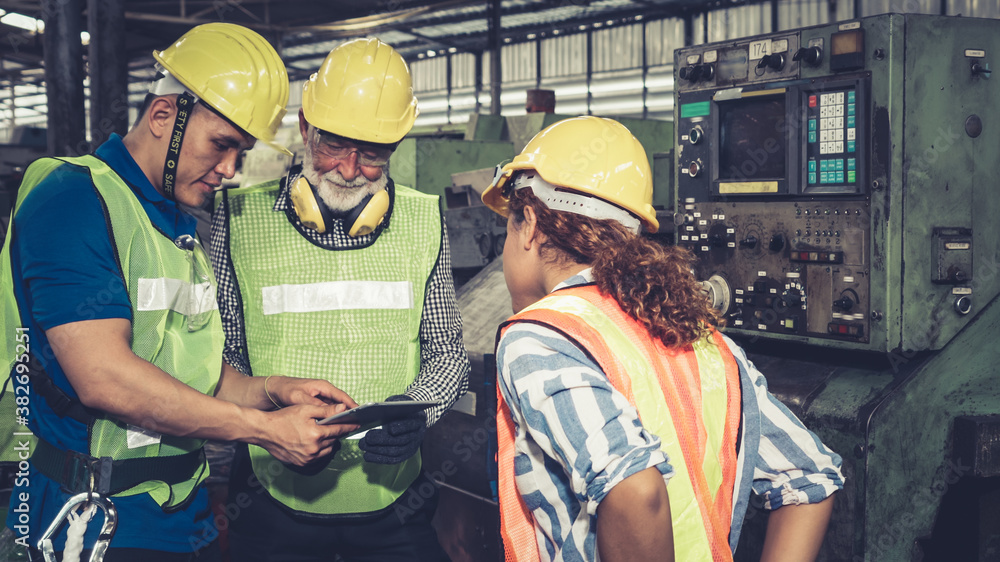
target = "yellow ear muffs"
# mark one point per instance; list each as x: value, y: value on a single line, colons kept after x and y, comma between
x: 369, y: 215
x: 306, y: 207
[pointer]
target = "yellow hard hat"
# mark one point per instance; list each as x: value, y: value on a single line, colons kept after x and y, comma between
x: 362, y: 92
x: 592, y: 156
x: 234, y: 70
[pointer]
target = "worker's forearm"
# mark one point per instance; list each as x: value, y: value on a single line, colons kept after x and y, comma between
x: 147, y: 397
x: 633, y: 521
x: 107, y: 376
x: 795, y: 532
x: 240, y: 389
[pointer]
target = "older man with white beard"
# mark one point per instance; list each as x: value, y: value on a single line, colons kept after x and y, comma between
x: 334, y: 272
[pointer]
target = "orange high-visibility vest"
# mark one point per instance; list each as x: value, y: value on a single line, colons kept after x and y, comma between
x: 700, y: 387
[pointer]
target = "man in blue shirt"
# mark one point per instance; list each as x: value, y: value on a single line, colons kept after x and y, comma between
x: 113, y: 307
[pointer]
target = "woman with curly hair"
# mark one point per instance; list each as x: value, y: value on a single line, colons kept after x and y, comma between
x: 629, y: 427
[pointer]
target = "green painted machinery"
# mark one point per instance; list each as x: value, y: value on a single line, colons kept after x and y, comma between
x: 839, y: 187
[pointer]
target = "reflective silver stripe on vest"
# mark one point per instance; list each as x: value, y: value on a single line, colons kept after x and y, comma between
x: 338, y: 295
x: 164, y: 293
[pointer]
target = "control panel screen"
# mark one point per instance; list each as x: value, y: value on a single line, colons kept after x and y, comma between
x: 831, y: 141
x: 752, y: 139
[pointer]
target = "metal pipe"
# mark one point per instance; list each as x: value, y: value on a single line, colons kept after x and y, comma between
x: 108, y: 70
x: 64, y: 77
x: 496, y: 77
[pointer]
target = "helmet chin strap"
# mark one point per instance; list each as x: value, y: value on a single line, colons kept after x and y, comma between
x: 185, y: 105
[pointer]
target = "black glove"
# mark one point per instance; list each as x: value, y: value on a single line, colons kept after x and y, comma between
x: 397, y: 440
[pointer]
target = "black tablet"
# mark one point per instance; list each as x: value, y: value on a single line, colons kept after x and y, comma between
x: 376, y: 413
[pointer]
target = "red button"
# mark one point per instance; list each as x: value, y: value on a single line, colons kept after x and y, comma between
x: 812, y: 101
x: 842, y: 328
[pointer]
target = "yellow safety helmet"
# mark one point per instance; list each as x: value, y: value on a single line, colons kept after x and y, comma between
x: 362, y: 92
x: 593, y: 156
x: 234, y: 70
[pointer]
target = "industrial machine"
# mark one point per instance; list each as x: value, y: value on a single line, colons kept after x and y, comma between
x: 838, y: 186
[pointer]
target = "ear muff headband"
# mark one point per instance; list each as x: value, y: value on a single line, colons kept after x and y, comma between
x: 364, y: 219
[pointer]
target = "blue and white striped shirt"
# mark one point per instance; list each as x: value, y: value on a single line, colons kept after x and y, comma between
x: 577, y: 437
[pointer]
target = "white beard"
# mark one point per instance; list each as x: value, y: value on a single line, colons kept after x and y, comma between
x: 338, y: 193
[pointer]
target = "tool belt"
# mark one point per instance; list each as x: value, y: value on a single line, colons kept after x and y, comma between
x: 79, y: 472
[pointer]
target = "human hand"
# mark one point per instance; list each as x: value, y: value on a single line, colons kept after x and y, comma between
x: 398, y: 440
x: 289, y: 391
x: 293, y: 437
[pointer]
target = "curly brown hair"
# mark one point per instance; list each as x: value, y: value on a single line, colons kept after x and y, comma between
x: 651, y: 282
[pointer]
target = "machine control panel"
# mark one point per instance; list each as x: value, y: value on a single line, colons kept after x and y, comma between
x: 772, y: 194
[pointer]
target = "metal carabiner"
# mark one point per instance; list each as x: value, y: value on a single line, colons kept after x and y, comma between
x: 103, y: 539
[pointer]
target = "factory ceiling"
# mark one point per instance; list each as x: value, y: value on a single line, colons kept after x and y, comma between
x: 305, y: 30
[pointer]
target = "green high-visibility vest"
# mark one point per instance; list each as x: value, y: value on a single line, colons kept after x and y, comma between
x: 167, y: 286
x: 351, y: 317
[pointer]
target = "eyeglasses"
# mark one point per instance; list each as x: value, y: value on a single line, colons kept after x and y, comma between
x: 200, y: 304
x: 339, y: 148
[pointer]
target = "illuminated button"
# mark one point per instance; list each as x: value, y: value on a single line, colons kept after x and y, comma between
x: 813, y: 256
x: 812, y: 177
x: 812, y: 136
x: 812, y: 101
x: 850, y: 164
x: 812, y: 123
x: 850, y: 109
x: 839, y: 162
x: 842, y: 328
x: 850, y: 121
x: 812, y: 165
x: 852, y: 177
x: 789, y: 323
x: 850, y: 146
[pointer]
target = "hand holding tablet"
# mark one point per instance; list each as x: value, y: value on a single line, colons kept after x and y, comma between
x: 377, y: 413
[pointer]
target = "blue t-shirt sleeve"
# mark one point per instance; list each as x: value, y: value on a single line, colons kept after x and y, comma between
x: 65, y: 252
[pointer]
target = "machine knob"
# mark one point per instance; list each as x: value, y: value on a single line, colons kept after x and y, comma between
x: 774, y: 61
x: 707, y: 72
x: 690, y: 73
x: 694, y: 168
x: 810, y: 55
x: 792, y: 298
x: 717, y: 291
x: 963, y: 305
x: 696, y: 135
x: 749, y: 242
x: 777, y: 243
x: 844, y: 303
x: 981, y: 69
